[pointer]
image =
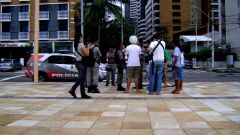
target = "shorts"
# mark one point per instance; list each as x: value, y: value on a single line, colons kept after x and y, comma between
x: 181, y: 73
x: 176, y: 73
x: 133, y: 72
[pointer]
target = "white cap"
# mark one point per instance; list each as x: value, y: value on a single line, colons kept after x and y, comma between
x: 133, y: 39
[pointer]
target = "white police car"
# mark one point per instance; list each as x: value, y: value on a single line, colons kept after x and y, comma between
x: 57, y: 66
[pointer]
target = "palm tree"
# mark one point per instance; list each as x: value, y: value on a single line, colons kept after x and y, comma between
x: 100, y: 11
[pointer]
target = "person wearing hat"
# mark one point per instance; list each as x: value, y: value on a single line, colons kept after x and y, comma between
x: 133, y: 52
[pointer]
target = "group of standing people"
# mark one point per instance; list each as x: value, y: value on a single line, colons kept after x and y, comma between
x: 130, y: 59
x: 86, y: 75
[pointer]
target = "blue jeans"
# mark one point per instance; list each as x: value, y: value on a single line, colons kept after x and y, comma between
x: 82, y: 73
x: 156, y: 74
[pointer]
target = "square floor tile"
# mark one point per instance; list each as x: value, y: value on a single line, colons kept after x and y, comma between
x: 24, y: 123
x: 79, y: 124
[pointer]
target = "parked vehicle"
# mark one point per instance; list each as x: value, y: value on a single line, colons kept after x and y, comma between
x: 55, y: 66
x: 10, y: 65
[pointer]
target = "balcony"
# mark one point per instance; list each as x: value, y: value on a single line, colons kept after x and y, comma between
x: 62, y: 34
x: 5, y: 0
x: 5, y: 17
x: 43, y: 35
x: 4, y: 36
x: 23, y: 36
x: 62, y: 15
x: 44, y: 15
x: 23, y: 16
x: 23, y: 0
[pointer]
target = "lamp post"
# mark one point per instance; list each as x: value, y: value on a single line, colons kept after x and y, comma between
x: 209, y: 18
x: 36, y: 46
x: 82, y: 17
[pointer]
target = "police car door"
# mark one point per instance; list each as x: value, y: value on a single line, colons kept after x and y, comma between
x: 69, y: 66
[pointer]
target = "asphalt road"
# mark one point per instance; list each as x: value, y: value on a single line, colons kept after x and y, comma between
x: 190, y: 76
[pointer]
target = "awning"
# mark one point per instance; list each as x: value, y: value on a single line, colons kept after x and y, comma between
x: 186, y: 38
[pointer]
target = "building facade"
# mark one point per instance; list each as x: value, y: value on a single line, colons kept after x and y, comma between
x: 56, y: 23
x: 232, y: 21
x: 131, y: 12
x: 141, y: 24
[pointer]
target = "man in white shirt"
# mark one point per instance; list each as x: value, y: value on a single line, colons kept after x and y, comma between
x: 133, y: 52
x: 156, y: 68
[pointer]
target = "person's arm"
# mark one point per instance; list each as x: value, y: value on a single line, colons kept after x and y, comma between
x: 85, y: 50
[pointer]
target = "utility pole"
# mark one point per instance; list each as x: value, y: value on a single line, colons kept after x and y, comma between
x: 213, y: 38
x: 196, y: 42
x: 122, y: 23
x: 36, y: 45
x: 82, y: 17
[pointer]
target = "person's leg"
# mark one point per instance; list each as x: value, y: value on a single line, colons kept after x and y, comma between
x: 181, y: 78
x: 159, y: 68
x: 76, y: 84
x: 113, y: 67
x: 136, y: 77
x: 82, y: 73
x: 89, y: 79
x: 108, y: 75
x: 120, y: 77
x: 95, y: 78
x: 129, y: 76
x: 177, y: 80
x: 152, y: 79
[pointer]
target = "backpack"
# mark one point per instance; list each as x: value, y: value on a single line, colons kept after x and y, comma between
x: 89, y: 60
x: 117, y: 57
x: 166, y: 56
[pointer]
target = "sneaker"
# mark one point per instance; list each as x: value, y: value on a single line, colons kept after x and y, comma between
x: 72, y: 93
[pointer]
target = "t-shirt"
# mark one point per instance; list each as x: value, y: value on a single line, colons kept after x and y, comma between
x: 182, y: 59
x: 79, y: 50
x: 96, y: 52
x: 111, y: 56
x: 133, y: 52
x: 158, y: 54
x: 177, y: 53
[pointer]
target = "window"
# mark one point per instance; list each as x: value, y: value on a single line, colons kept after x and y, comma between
x: 55, y: 60
x: 43, y: 26
x: 176, y: 21
x: 63, y: 25
x: 68, y: 60
x: 175, y: 6
x: 175, y: 0
x: 63, y: 7
x: 23, y: 26
x: 176, y: 28
x: 6, y: 9
x: 176, y: 14
x: 24, y: 9
x: 5, y: 26
x: 43, y: 7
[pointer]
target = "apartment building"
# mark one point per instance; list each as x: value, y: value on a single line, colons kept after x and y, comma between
x: 131, y: 12
x: 56, y: 23
x: 232, y: 21
x: 152, y: 18
x: 141, y: 25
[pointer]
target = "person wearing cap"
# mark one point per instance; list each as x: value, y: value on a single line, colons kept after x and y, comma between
x: 156, y: 67
x: 133, y: 52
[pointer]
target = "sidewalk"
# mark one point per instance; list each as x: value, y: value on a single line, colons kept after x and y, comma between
x: 48, y: 109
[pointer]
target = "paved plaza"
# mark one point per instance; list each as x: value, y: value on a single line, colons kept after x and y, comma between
x: 48, y: 109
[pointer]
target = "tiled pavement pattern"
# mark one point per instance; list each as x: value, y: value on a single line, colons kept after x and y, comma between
x: 47, y: 108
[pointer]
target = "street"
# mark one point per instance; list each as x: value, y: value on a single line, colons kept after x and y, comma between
x: 191, y: 75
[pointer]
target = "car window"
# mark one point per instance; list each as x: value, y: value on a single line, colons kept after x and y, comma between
x: 55, y: 60
x: 68, y: 60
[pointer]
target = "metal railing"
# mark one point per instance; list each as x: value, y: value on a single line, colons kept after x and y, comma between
x: 62, y: 34
x: 63, y: 14
x: 23, y: 16
x: 5, y: 17
x: 43, y: 35
x: 44, y: 15
x: 5, y: 36
x: 23, y: 36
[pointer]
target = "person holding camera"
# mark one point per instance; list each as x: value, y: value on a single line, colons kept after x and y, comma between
x: 156, y: 67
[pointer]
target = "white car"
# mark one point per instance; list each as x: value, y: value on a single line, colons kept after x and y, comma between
x: 57, y: 66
